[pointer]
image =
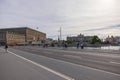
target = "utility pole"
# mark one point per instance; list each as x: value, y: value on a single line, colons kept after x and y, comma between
x: 60, y: 34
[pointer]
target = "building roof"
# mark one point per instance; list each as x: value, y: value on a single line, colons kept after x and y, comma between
x: 18, y: 28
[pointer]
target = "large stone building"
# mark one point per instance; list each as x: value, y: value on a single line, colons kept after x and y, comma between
x: 14, y: 36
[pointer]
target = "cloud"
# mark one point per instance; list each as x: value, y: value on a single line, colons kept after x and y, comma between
x: 74, y: 16
x: 105, y: 28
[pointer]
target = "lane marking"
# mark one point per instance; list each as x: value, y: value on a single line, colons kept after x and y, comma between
x: 78, y: 57
x: 89, y: 53
x: 41, y: 66
x: 72, y: 56
x: 48, y: 52
x: 114, y: 62
x: 87, y: 67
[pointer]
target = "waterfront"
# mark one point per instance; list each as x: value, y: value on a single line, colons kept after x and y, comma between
x: 111, y: 47
x: 105, y: 47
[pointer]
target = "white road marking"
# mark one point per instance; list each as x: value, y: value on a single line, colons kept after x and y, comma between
x: 90, y: 68
x: 114, y: 62
x: 48, y: 52
x: 41, y: 66
x: 87, y: 67
x: 71, y: 56
x: 84, y: 67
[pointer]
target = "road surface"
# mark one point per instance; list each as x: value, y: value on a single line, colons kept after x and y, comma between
x: 79, y: 65
x: 15, y: 67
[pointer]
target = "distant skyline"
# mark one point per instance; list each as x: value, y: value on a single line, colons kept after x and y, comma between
x: 89, y: 17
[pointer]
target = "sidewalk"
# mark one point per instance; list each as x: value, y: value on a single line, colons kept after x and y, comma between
x: 15, y: 68
x: 98, y: 50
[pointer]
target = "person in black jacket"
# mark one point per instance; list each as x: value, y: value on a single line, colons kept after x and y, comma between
x: 6, y: 47
x: 82, y: 46
x: 78, y: 45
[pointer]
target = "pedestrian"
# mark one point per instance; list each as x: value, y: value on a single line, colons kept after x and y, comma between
x: 78, y: 45
x: 82, y: 46
x: 66, y: 45
x: 6, y: 47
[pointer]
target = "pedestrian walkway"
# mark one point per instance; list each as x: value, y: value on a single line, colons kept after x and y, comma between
x: 98, y: 50
x: 15, y: 68
x: 88, y: 52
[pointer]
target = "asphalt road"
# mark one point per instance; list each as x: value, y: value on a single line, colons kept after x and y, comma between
x: 80, y: 65
x: 15, y: 67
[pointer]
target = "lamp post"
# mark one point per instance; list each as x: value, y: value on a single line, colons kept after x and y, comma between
x: 60, y: 36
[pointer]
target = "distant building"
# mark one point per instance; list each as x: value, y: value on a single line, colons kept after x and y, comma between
x: 49, y: 40
x: 79, y: 38
x: 117, y: 39
x: 112, y: 39
x: 14, y: 36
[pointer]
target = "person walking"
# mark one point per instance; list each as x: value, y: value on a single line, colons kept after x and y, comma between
x: 66, y: 45
x: 78, y: 45
x: 6, y: 47
x: 82, y: 46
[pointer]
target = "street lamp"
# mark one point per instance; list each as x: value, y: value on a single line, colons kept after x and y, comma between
x: 60, y: 35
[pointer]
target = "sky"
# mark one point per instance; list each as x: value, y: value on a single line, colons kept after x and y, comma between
x: 89, y: 17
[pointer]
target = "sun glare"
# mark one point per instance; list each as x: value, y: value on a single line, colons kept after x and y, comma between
x: 107, y: 2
